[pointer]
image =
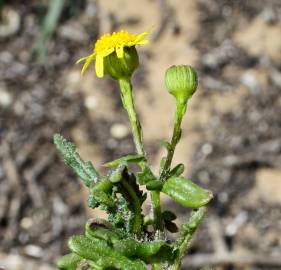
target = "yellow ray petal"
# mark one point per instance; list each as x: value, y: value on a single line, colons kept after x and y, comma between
x: 99, y: 66
x: 120, y: 51
x: 107, y: 52
x: 141, y: 37
x: 143, y: 42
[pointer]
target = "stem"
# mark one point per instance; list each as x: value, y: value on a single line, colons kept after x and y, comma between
x: 188, y: 230
x: 157, y: 213
x: 180, y: 111
x: 128, y: 103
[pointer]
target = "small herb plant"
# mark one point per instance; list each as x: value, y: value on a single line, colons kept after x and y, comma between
x: 128, y: 239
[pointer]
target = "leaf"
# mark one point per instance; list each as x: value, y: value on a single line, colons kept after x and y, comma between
x: 145, y: 176
x: 124, y: 160
x: 102, y: 230
x: 154, y: 185
x: 166, y: 144
x: 99, y: 251
x: 148, y: 249
x: 162, y: 164
x: 117, y: 174
x: 186, y: 193
x: 141, y: 250
x: 84, y: 169
x: 177, y: 170
x: 69, y: 262
x: 100, y: 192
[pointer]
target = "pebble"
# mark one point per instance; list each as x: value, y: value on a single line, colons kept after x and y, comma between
x: 33, y: 251
x: 119, y: 131
x: 5, y: 98
x: 251, y: 82
x: 26, y: 223
x: 90, y: 102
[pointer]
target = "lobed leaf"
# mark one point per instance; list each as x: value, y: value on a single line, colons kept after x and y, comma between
x: 84, y: 169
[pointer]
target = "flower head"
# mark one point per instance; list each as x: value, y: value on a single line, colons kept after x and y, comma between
x: 108, y: 44
x: 181, y: 81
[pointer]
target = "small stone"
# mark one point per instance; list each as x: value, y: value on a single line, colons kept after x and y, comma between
x: 5, y: 98
x: 91, y: 102
x: 26, y: 223
x: 34, y: 251
x: 207, y: 149
x: 119, y: 131
x: 251, y: 82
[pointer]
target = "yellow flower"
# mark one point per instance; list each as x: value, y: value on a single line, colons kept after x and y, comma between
x: 108, y: 44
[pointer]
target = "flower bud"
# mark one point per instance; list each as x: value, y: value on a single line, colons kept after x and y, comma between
x: 123, y: 67
x: 181, y: 82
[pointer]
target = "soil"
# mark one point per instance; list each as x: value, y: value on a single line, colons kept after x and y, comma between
x: 231, y: 140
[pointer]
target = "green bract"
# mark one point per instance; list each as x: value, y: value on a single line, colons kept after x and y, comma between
x: 123, y: 67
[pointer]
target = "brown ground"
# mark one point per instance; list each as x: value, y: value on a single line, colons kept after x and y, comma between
x: 231, y: 134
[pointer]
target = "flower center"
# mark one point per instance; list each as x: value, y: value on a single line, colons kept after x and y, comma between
x: 116, y: 39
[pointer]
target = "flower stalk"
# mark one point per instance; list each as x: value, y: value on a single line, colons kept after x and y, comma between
x: 180, y: 111
x: 128, y: 103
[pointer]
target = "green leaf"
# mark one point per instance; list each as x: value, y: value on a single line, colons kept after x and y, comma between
x: 141, y: 250
x: 98, y: 251
x: 84, y: 169
x: 145, y: 176
x: 69, y: 262
x: 116, y: 174
x: 102, y: 230
x: 166, y: 144
x: 154, y: 185
x: 124, y: 160
x: 148, y: 249
x: 177, y: 170
x: 186, y: 193
x: 100, y: 192
x: 162, y: 164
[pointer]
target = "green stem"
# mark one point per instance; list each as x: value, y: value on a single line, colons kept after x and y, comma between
x: 188, y: 230
x: 156, y: 209
x: 128, y: 103
x: 180, y: 111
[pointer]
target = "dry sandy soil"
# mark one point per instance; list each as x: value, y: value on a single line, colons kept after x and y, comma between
x: 231, y: 133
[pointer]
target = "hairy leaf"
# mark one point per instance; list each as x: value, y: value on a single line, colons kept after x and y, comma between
x: 84, y: 169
